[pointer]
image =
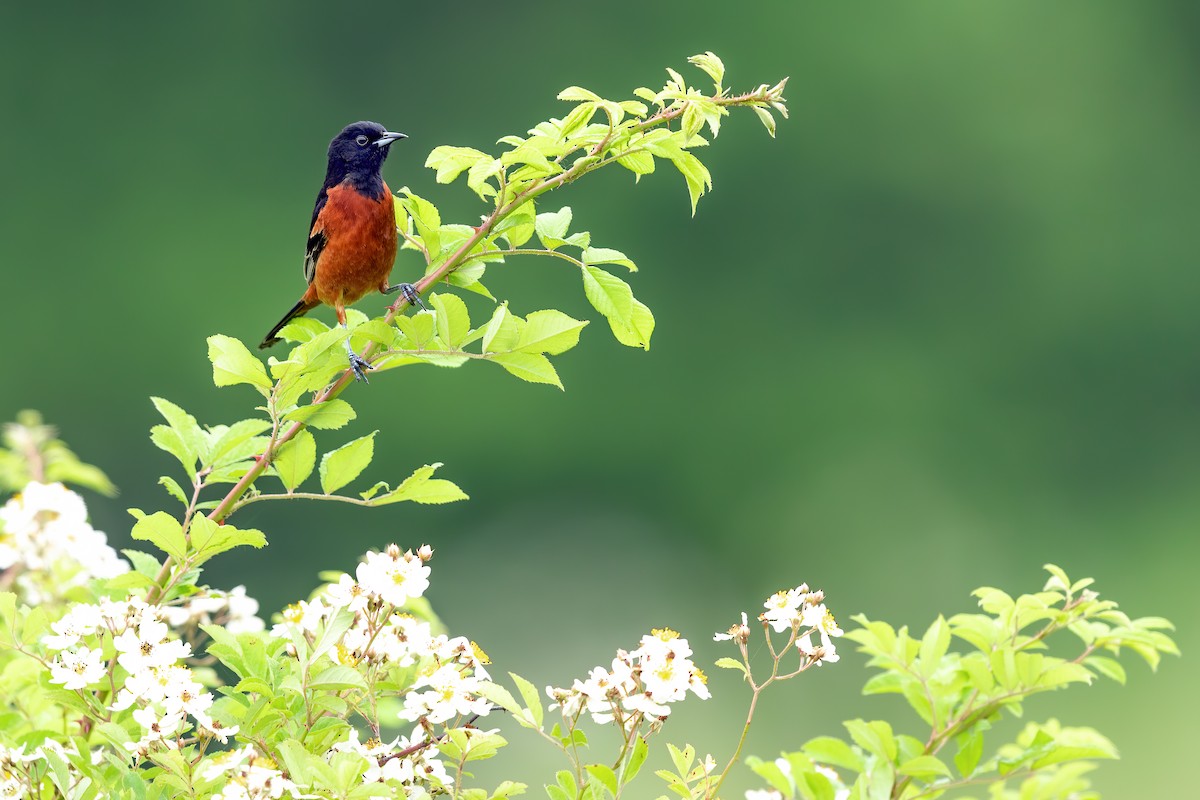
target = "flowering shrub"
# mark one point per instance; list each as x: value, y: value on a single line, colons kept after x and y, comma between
x: 126, y: 675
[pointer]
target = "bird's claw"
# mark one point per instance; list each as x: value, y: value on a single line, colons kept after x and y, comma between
x: 409, y: 293
x: 360, y: 367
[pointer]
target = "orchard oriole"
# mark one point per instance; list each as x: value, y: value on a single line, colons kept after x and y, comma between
x: 352, y: 236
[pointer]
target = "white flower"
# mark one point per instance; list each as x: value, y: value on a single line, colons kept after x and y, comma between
x: 826, y: 652
x: 82, y: 619
x: 149, y: 646
x: 763, y: 794
x: 783, y: 607
x: 347, y: 593
x: 393, y: 577
x: 450, y: 694
x: 77, y: 669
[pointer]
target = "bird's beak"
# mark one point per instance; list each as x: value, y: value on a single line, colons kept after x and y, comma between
x: 387, y: 137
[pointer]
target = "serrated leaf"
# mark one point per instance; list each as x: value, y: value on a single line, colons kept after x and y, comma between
x: 970, y: 749
x: 608, y: 294
x: 1108, y: 667
x: 712, y: 65
x: 767, y: 119
x: 639, y: 332
x: 329, y: 415
x: 731, y: 663
x: 531, y: 696
x: 604, y: 774
x: 294, y: 461
x: 551, y: 227
x: 209, y: 539
x: 532, y: 367
x: 550, y: 332
x: 173, y: 488
x: 502, y: 331
x: 236, y: 442
x: 636, y: 758
x: 162, y: 530
x: 420, y: 487
x: 453, y: 320
x: 337, y: 678
x: 340, y: 466
x: 604, y: 255
x: 233, y: 363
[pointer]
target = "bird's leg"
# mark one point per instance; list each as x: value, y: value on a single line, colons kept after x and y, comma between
x: 357, y: 364
x: 408, y: 292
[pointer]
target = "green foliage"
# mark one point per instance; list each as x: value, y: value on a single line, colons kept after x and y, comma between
x: 961, y: 696
x: 32, y: 452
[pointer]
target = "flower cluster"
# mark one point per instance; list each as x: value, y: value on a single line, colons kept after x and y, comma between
x: 803, y: 613
x: 449, y: 669
x: 47, y: 544
x: 248, y: 775
x: 639, y: 685
x: 144, y: 671
x: 409, y: 762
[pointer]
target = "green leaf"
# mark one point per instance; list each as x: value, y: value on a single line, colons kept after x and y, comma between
x: 236, y: 442
x: 609, y: 295
x: 453, y: 321
x: 605, y: 775
x: 637, y: 757
x: 731, y: 663
x: 550, y: 332
x: 925, y: 767
x: 502, y: 331
x: 162, y: 530
x: 874, y: 737
x: 531, y: 367
x: 712, y: 65
x: 604, y: 255
x: 234, y: 364
x: 294, y: 461
x: 451, y: 161
x: 209, y: 539
x: 970, y: 749
x: 184, y: 424
x: 934, y: 645
x: 519, y: 226
x: 329, y: 415
x: 340, y: 466
x: 421, y: 487
x: 639, y: 162
x: 531, y: 696
x: 830, y: 750
x: 578, y: 94
x: 173, y: 488
x: 767, y: 119
x: 427, y: 219
x: 551, y: 227
x: 1108, y: 667
x: 338, y: 678
x: 639, y: 332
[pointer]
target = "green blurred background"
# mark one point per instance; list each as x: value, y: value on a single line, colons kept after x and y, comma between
x: 942, y: 330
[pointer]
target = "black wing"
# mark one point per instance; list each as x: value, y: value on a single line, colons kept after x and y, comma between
x: 316, y: 239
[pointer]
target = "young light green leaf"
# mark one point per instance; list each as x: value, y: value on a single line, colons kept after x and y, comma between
x: 295, y: 460
x: 453, y: 320
x: 173, y: 488
x: 234, y: 364
x: 340, y: 466
x: 604, y: 774
x: 502, y: 331
x: 421, y: 487
x: 209, y: 539
x: 451, y: 161
x: 604, y: 255
x: 640, y: 330
x: 164, y: 531
x: 236, y: 442
x: 551, y: 227
x: 550, y: 332
x: 329, y: 415
x: 712, y: 65
x: 532, y: 367
x: 531, y: 696
x: 608, y: 294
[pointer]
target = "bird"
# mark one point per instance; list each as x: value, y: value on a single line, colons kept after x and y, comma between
x: 352, y: 237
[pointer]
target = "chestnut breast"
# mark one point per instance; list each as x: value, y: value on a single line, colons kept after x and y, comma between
x: 361, y: 248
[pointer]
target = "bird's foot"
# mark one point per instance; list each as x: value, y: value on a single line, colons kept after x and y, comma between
x: 360, y: 367
x: 408, y: 292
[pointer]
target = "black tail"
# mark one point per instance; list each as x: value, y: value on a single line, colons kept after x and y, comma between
x: 300, y: 309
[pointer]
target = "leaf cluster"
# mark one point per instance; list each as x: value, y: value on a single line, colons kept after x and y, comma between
x: 959, y: 695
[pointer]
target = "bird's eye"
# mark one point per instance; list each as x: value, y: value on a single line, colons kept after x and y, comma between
x: 362, y: 140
